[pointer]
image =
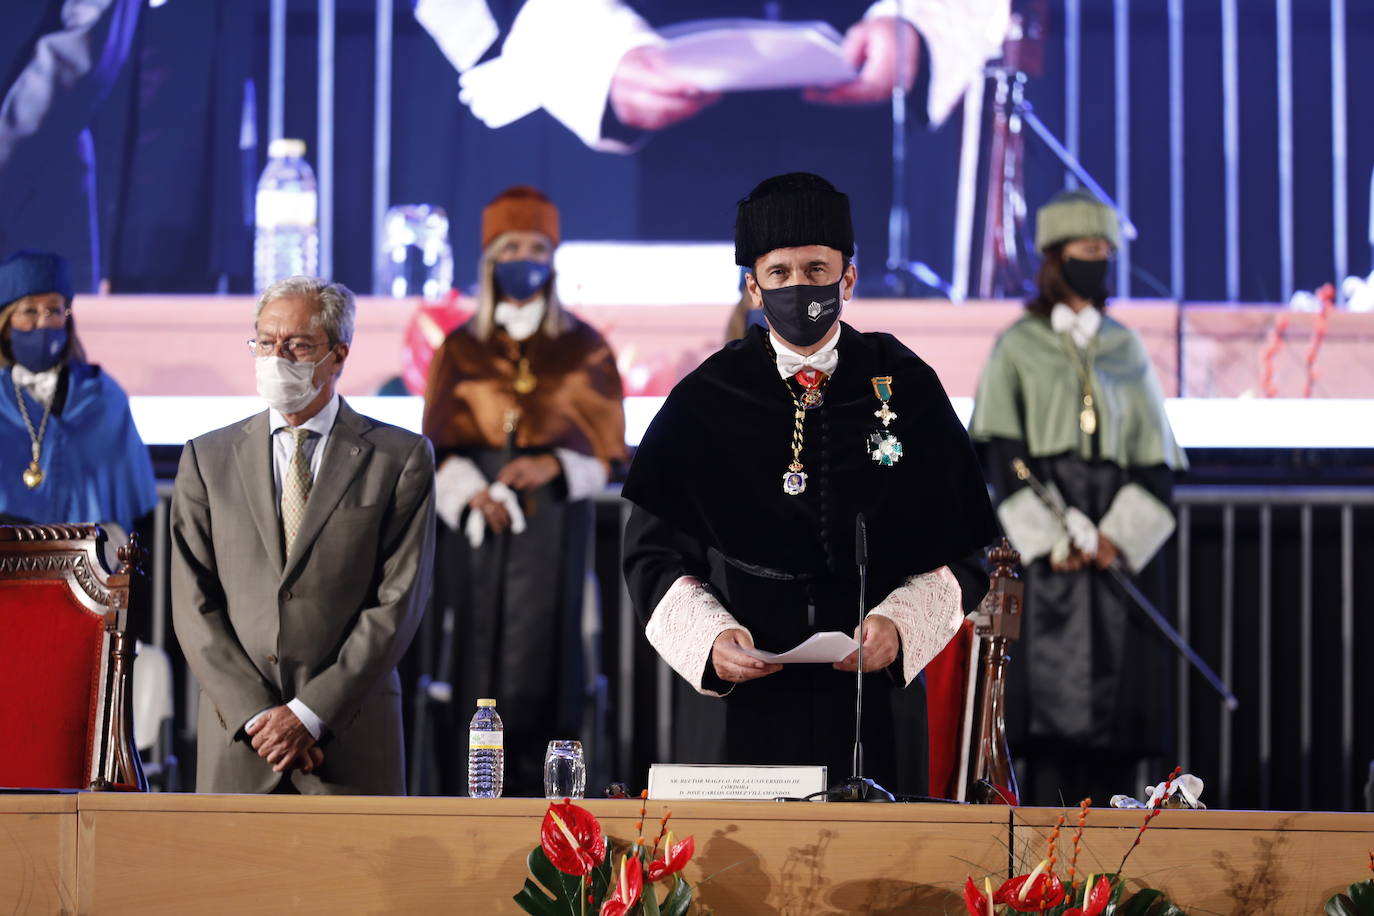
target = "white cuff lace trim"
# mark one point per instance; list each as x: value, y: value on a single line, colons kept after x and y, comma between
x: 928, y: 611
x: 584, y: 475
x: 456, y: 482
x: 560, y: 55
x: 1030, y: 525
x: 1138, y: 524
x: 684, y: 627
x: 961, y: 36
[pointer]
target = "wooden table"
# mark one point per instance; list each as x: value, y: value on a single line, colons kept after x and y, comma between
x: 113, y: 853
x: 38, y: 847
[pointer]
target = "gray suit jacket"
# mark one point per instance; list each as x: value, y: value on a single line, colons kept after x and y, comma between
x: 328, y: 623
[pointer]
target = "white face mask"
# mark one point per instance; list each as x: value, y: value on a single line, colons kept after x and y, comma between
x: 289, y: 387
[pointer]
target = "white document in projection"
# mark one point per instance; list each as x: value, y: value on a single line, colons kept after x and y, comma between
x: 733, y: 55
x: 831, y: 646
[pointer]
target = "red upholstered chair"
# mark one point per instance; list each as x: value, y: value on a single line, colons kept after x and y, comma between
x: 65, y: 663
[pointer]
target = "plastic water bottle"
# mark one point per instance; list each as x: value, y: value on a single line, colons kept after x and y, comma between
x: 287, y: 242
x: 486, y: 752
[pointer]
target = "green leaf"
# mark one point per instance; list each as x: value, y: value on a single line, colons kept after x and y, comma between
x: 1341, y: 905
x: 1140, y: 904
x: 649, y: 896
x: 1114, y: 901
x: 1362, y: 895
x: 533, y: 901
x: 678, y: 899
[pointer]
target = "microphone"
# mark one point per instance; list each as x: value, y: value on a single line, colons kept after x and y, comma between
x: 857, y: 787
x: 861, y: 560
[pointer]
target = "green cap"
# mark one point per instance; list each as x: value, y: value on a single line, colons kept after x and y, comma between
x: 481, y: 703
x: 1076, y: 214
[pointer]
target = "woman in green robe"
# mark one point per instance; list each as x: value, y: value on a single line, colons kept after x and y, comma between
x: 1071, y: 391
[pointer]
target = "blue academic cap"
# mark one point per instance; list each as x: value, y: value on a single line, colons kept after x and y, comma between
x: 27, y: 273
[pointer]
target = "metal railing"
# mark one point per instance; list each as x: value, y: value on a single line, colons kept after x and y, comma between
x: 1226, y: 549
x: 1266, y: 589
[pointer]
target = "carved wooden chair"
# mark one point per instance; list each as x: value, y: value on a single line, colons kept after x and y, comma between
x: 66, y: 665
x: 965, y: 686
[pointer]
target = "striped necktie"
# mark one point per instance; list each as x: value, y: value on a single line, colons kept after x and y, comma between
x: 295, y: 488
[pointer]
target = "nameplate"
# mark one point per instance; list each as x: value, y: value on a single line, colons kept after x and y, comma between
x: 722, y: 781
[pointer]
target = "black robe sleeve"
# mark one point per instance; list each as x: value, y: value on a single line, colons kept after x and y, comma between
x: 656, y: 556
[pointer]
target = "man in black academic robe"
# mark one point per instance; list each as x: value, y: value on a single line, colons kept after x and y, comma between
x: 747, y: 485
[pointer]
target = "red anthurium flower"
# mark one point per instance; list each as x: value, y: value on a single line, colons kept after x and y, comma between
x: 675, y: 858
x: 1097, y: 901
x: 571, y: 838
x: 978, y: 903
x: 627, y: 889
x: 1042, y: 891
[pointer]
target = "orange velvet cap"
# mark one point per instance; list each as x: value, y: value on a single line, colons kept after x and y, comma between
x: 520, y: 207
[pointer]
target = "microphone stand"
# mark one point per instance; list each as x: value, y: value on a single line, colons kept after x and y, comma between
x: 857, y: 787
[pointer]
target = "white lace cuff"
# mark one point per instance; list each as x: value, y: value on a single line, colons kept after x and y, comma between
x: 1138, y: 524
x: 462, y: 30
x: 961, y: 35
x: 584, y: 475
x: 684, y: 627
x: 1030, y: 525
x: 927, y: 610
x: 560, y: 55
x: 456, y: 482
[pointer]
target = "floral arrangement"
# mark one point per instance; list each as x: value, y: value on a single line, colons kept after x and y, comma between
x: 1358, y: 899
x: 573, y: 865
x: 1043, y: 891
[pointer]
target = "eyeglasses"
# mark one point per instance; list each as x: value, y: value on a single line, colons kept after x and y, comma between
x: 294, y: 347
x: 35, y: 315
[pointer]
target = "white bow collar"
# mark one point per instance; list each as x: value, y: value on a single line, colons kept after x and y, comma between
x: 1082, y: 326
x: 790, y: 362
x: 520, y: 321
x: 41, y: 385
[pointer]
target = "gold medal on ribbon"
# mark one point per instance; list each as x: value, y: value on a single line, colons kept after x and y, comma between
x: 882, y: 389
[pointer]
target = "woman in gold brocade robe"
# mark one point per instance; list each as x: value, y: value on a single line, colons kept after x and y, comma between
x: 524, y: 407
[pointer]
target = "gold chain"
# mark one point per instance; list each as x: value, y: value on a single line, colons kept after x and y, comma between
x: 1087, y: 417
x: 798, y: 418
x: 35, y: 438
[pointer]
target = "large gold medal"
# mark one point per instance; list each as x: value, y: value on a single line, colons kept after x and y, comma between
x: 525, y: 381
x: 1087, y: 417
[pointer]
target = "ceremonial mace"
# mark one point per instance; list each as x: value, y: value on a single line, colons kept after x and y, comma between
x: 1123, y: 580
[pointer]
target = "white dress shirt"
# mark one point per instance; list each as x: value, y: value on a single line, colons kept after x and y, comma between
x: 283, y: 447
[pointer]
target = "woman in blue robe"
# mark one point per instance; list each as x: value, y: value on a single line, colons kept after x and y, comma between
x: 69, y: 451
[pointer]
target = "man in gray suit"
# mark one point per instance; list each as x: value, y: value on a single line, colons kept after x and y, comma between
x: 303, y: 541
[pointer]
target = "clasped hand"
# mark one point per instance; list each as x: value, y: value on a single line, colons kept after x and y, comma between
x: 528, y: 472
x: 283, y: 741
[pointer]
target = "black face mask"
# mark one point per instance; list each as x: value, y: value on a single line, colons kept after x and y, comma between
x: 1087, y: 278
x: 802, y: 315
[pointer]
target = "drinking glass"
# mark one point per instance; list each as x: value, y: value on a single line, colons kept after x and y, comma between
x: 565, y: 774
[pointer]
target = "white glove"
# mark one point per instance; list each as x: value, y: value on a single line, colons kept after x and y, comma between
x: 1082, y: 532
x: 476, y: 528
x: 456, y: 482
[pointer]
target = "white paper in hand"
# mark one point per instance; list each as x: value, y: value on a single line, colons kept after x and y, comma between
x: 827, y: 648
x: 732, y: 55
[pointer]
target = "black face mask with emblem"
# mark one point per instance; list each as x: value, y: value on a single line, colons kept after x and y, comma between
x: 802, y: 315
